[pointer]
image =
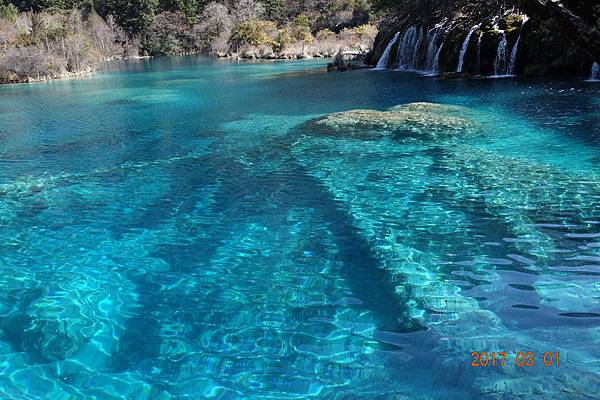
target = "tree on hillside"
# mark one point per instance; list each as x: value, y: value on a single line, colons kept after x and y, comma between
x: 134, y: 16
x: 253, y: 32
x: 52, y: 5
x: 246, y: 9
x: 301, y: 29
x: 274, y: 10
x: 189, y: 8
x: 215, y: 27
x: 33, y: 5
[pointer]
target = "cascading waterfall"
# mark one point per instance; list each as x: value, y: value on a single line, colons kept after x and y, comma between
x: 432, y: 58
x: 436, y: 60
x: 417, y: 49
x: 382, y: 63
x: 465, y: 47
x: 406, y: 49
x: 515, y: 50
x: 420, y: 48
x: 431, y: 49
x: 501, y: 64
x: 412, y: 45
x: 595, y: 75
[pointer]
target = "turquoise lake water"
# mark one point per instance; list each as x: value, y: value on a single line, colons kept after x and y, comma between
x: 177, y: 228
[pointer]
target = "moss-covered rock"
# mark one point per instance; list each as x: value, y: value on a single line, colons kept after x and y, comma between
x: 432, y: 108
x: 415, y: 120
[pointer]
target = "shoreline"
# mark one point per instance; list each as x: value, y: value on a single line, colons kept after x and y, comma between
x: 89, y: 71
x: 84, y: 73
x: 41, y: 79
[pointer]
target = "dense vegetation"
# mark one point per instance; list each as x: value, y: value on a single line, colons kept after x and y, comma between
x: 46, y: 38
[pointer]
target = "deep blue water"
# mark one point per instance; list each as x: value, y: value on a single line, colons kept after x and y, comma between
x: 175, y: 228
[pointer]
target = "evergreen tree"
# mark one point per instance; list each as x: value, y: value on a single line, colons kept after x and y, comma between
x: 53, y: 5
x: 189, y: 8
x: 274, y: 10
x: 134, y: 16
x: 34, y: 5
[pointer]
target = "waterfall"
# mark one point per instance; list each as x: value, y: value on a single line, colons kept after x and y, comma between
x: 513, y: 57
x: 412, y: 45
x: 432, y: 59
x: 435, y: 67
x: 431, y: 50
x: 406, y: 48
x: 501, y: 64
x: 515, y: 50
x: 595, y: 76
x: 479, y: 53
x: 382, y: 63
x: 417, y: 49
x: 436, y: 60
x: 465, y: 47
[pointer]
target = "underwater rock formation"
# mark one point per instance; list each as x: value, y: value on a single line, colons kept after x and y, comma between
x: 398, y: 195
x: 415, y: 120
x: 530, y: 185
x: 525, y: 194
x: 394, y: 180
x: 520, y: 194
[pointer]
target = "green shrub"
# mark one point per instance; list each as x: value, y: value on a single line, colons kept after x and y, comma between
x: 8, y: 12
x: 325, y: 34
x: 254, y: 32
x: 301, y: 29
x: 282, y: 40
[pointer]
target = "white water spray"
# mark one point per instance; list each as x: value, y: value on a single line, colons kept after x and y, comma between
x: 465, y: 47
x: 417, y: 50
x: 431, y: 49
x: 406, y: 48
x: 382, y: 63
x: 436, y: 60
x: 595, y: 75
x: 512, y: 66
x: 501, y: 64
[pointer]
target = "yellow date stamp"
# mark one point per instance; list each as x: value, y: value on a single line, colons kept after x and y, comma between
x: 481, y: 359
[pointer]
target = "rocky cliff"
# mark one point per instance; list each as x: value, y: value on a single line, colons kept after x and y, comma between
x: 577, y: 19
x: 492, y: 38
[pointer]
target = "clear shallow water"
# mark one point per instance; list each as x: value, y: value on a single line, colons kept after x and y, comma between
x: 175, y: 229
